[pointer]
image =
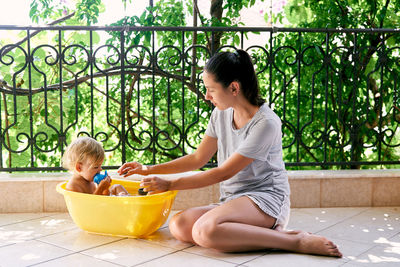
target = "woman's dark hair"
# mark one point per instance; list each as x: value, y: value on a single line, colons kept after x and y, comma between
x: 237, y: 66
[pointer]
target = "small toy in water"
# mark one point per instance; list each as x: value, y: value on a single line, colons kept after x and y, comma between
x: 99, y: 177
x: 141, y: 192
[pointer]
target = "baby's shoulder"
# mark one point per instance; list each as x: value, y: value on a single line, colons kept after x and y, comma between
x: 77, y: 186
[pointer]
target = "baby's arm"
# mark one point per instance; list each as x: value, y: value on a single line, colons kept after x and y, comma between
x: 103, y: 187
x: 74, y: 186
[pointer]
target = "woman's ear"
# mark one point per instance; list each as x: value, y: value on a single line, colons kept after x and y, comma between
x: 235, y: 88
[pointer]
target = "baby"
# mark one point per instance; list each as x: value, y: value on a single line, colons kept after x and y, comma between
x: 84, y: 158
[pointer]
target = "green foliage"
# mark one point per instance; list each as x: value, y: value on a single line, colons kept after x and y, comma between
x: 160, y: 133
x: 360, y: 89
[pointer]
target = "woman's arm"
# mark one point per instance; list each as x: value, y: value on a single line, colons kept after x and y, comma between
x: 198, y: 159
x: 229, y: 168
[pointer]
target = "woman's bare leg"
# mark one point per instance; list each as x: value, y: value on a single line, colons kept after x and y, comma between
x: 182, y: 222
x: 239, y: 225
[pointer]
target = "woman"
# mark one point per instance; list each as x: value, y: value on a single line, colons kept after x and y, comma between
x: 254, y: 204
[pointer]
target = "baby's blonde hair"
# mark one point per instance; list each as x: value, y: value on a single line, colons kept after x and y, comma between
x: 81, y: 149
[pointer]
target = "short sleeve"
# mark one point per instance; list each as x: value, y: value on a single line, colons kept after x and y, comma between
x: 261, y: 138
x: 211, y: 127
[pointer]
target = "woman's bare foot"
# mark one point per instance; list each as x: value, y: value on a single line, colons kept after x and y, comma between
x: 319, y: 245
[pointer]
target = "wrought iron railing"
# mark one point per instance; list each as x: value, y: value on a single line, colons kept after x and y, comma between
x: 139, y: 91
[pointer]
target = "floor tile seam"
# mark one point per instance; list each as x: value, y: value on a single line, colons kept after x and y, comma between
x: 79, y: 251
x: 24, y: 221
x: 163, y: 245
x: 350, y: 261
x: 118, y: 264
x: 36, y: 238
x: 55, y: 233
x: 202, y: 255
x: 159, y: 257
x: 398, y: 233
x: 7, y: 245
x: 259, y: 256
x: 354, y: 241
x: 59, y: 257
x: 341, y: 221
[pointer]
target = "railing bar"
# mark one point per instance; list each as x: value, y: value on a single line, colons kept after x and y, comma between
x: 153, y: 96
x: 123, y: 134
x: 183, y: 138
x: 271, y: 60
x: 91, y: 83
x: 190, y: 28
x: 325, y: 138
x: 63, y: 140
x: 298, y: 134
x: 380, y: 105
x: 30, y: 58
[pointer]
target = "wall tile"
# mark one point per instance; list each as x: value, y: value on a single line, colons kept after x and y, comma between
x: 386, y: 192
x: 305, y: 193
x: 53, y: 201
x: 344, y: 192
x: 21, y: 196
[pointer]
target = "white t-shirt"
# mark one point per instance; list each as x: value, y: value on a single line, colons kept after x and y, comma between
x: 265, y: 179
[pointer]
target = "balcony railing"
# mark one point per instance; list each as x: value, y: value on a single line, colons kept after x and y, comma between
x: 139, y: 91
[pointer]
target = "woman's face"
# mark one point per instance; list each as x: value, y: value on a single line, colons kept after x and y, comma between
x: 219, y: 95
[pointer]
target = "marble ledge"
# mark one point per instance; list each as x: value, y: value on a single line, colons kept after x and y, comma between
x: 331, y: 174
x: 293, y: 175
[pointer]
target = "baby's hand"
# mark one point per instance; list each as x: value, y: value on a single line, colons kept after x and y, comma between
x: 105, y: 183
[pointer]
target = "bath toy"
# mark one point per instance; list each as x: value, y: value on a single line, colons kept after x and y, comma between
x: 141, y: 192
x: 99, y: 177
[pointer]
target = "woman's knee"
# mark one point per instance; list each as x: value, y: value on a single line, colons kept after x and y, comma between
x: 180, y: 227
x: 204, y: 233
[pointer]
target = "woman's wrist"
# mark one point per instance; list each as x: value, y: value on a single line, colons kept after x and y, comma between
x: 173, y: 184
x: 146, y: 169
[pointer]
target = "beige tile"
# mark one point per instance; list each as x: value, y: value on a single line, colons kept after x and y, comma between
x: 10, y: 218
x: 317, y: 219
x: 77, y: 260
x: 351, y: 249
x: 128, y: 252
x: 21, y: 196
x: 53, y: 201
x: 27, y: 230
x: 386, y: 192
x: 382, y: 255
x: 164, y: 237
x: 185, y: 259
x: 28, y: 253
x: 346, y: 192
x: 77, y: 240
x: 284, y: 259
x: 369, y: 226
x: 305, y: 193
x: 237, y: 258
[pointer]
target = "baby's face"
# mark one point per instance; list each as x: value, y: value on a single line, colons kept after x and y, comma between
x: 90, y: 169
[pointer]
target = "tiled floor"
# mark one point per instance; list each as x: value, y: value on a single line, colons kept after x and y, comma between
x: 366, y: 236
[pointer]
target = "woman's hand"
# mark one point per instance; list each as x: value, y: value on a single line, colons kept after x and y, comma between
x: 130, y: 168
x: 154, y: 185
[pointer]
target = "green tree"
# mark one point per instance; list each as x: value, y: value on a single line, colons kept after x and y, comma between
x: 336, y: 92
x: 351, y: 78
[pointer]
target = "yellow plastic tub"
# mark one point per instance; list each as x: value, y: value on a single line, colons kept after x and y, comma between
x: 129, y: 216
